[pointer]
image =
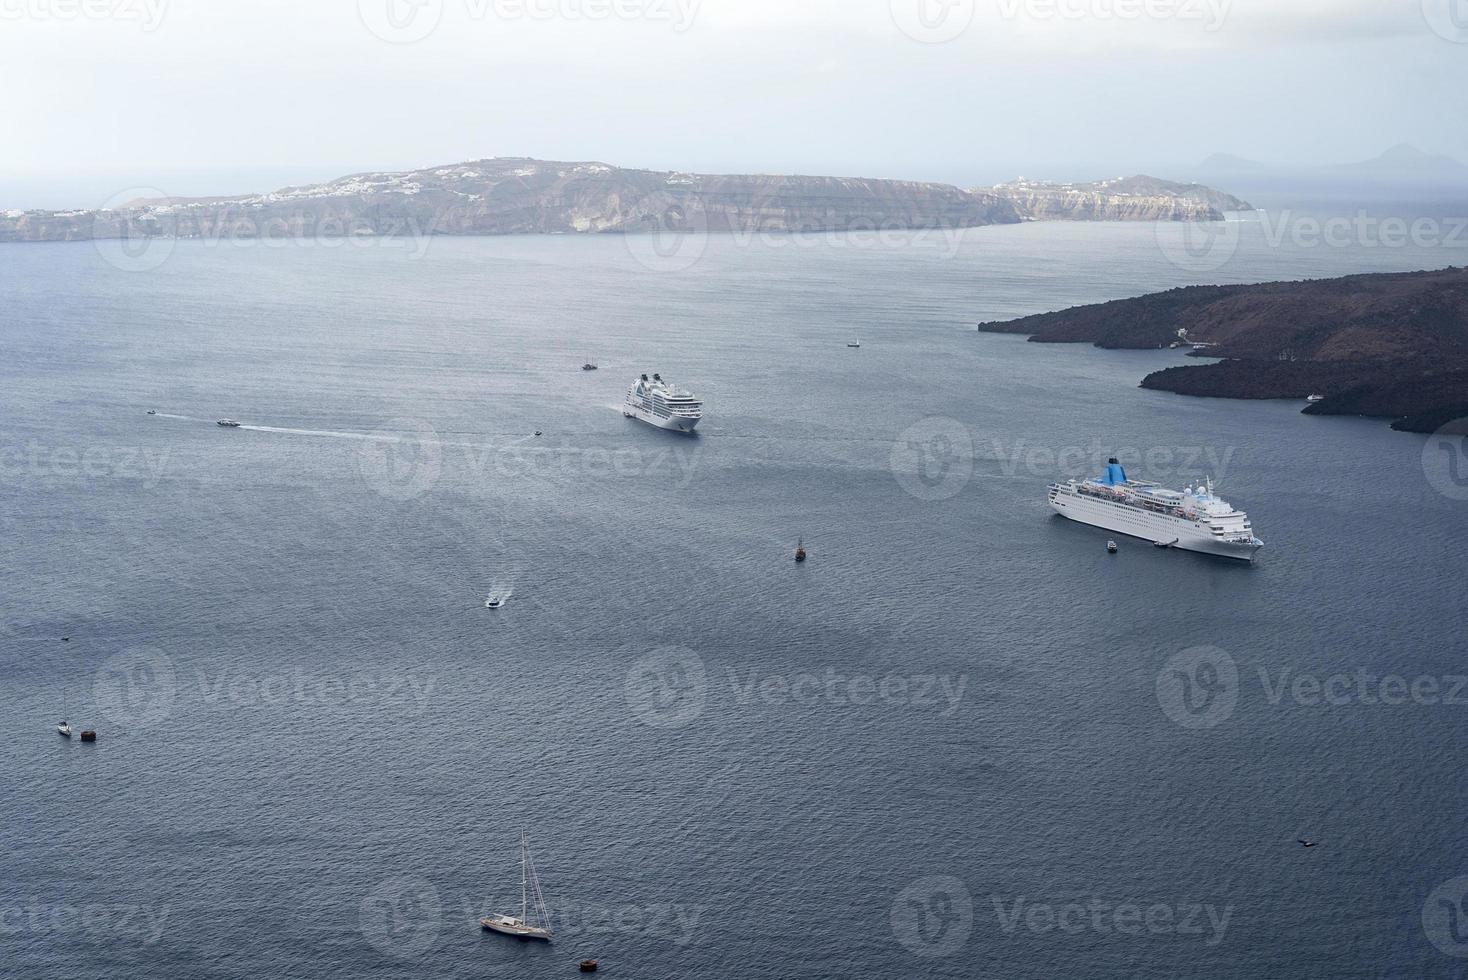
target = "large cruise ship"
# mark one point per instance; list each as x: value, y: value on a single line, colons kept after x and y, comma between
x: 658, y: 403
x: 1191, y: 519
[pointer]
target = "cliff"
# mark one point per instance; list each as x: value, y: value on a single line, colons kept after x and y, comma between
x: 1391, y: 345
x: 1139, y: 198
x: 518, y: 196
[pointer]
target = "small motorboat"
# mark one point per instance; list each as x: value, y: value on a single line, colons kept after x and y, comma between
x: 588, y: 366
x: 64, y: 730
x: 800, y: 551
x: 88, y: 735
x: 228, y: 423
x: 1315, y: 398
x: 537, y: 432
x: 1111, y: 547
x: 854, y: 343
x: 493, y: 602
x: 589, y: 966
x: 152, y: 412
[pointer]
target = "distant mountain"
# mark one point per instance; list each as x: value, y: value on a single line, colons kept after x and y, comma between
x: 1393, y: 345
x: 1406, y: 162
x: 1139, y: 198
x: 519, y: 195
x: 1403, y: 171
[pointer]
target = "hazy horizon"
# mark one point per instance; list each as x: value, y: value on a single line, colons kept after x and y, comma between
x: 197, y: 99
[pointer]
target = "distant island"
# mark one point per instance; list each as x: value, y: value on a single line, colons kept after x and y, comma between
x: 1393, y: 345
x: 505, y: 196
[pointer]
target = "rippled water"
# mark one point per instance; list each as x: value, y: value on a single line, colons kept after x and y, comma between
x: 961, y: 740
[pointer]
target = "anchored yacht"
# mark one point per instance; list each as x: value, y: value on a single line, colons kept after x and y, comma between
x: 659, y: 403
x: 1192, y: 519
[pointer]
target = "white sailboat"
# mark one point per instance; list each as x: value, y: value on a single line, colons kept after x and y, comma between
x: 532, y: 903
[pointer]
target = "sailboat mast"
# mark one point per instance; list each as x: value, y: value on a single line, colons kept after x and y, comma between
x: 524, y: 891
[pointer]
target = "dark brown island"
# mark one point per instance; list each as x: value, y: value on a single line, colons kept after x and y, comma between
x: 1393, y: 345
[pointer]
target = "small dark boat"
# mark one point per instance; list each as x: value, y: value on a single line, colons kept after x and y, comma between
x: 89, y: 736
x: 588, y: 966
x: 1111, y: 547
x: 800, y: 550
x: 228, y: 423
x: 151, y: 412
x: 588, y: 366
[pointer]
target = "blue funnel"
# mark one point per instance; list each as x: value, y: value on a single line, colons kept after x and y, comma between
x: 1115, y: 476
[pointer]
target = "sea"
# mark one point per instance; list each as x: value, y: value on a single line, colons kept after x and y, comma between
x: 961, y: 740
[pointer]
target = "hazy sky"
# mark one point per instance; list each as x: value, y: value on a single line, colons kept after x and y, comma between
x: 195, y: 96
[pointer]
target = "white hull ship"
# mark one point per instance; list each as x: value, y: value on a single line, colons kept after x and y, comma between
x: 1191, y: 519
x: 533, y: 922
x: 658, y: 403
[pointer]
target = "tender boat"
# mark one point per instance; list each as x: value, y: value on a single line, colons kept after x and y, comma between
x: 493, y: 602
x: 533, y: 922
x: 64, y: 730
x: 152, y: 412
x: 1111, y: 547
x: 800, y: 550
x: 228, y: 423
x: 588, y: 366
x: 1315, y: 398
x: 854, y: 343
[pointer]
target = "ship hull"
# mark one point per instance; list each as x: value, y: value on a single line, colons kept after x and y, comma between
x: 674, y: 424
x: 1157, y: 528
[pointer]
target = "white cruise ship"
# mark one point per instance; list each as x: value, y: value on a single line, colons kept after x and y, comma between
x: 658, y: 403
x: 1191, y: 519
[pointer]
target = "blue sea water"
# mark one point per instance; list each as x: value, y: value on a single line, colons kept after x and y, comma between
x: 961, y: 741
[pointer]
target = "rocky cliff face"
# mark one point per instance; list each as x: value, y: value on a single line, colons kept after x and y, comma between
x: 1139, y: 198
x: 516, y: 196
x: 1391, y: 344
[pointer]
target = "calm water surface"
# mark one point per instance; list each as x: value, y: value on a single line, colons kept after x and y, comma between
x: 954, y: 744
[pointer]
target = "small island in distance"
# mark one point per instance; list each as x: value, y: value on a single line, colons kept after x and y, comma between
x: 1390, y: 345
